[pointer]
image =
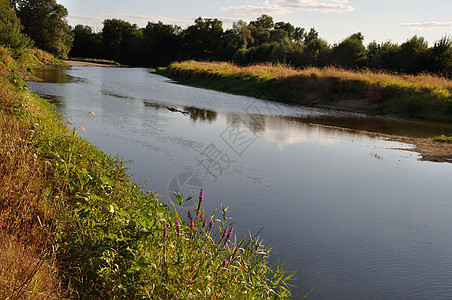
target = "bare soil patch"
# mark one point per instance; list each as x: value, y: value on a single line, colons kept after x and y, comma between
x: 86, y: 64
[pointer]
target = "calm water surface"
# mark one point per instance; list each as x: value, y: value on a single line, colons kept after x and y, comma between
x: 355, y: 218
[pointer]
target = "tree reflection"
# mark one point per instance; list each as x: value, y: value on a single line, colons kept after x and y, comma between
x: 201, y: 114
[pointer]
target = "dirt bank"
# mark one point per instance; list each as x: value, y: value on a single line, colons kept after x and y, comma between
x: 87, y: 64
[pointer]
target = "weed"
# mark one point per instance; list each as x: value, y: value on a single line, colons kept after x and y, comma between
x: 442, y: 139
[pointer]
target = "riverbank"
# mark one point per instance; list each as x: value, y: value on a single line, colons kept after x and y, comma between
x: 73, y: 225
x: 91, y: 63
x: 422, y: 97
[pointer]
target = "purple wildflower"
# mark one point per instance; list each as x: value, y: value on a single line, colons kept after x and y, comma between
x: 204, y: 223
x: 225, y: 262
x: 177, y: 226
x: 224, y: 232
x: 230, y: 232
x: 201, y: 197
x: 165, y: 230
x: 191, y: 224
x: 189, y: 215
x: 210, y: 224
x: 201, y: 215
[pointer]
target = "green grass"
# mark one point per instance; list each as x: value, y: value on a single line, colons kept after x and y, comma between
x: 422, y: 97
x: 442, y: 139
x: 104, y: 237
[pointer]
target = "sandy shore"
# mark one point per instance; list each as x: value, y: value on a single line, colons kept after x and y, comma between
x: 86, y: 64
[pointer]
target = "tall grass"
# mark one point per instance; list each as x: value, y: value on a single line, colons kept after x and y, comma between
x: 27, y: 209
x: 422, y: 96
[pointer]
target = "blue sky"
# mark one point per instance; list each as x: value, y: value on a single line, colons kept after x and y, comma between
x: 380, y: 20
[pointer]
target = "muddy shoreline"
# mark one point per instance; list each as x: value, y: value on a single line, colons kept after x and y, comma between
x: 76, y: 63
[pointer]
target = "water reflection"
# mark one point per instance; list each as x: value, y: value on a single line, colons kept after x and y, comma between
x: 56, y: 100
x: 199, y: 114
x: 57, y: 74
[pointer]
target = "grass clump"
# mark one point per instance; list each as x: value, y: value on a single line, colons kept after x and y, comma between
x: 425, y: 96
x: 442, y: 139
x: 74, y: 225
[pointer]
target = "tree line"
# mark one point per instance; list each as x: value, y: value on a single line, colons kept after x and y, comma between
x: 24, y: 23
x: 261, y: 40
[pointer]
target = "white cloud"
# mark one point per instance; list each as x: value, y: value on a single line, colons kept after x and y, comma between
x: 285, y: 6
x: 256, y: 9
x: 90, y: 18
x: 427, y: 25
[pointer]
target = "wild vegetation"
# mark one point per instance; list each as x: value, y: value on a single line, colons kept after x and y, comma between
x: 414, y: 96
x: 73, y: 225
x: 442, y: 139
x: 258, y: 41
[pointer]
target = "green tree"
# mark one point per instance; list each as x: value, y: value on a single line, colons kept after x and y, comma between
x: 350, y: 52
x: 10, y: 29
x: 86, y: 42
x: 241, y: 29
x: 440, y: 57
x: 265, y: 21
x: 316, y: 52
x: 204, y: 39
x: 122, y: 41
x: 260, y: 30
x: 384, y: 56
x: 45, y: 22
x: 161, y: 43
x: 311, y: 36
x: 413, y: 55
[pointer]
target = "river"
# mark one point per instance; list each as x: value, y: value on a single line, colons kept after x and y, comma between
x: 354, y: 217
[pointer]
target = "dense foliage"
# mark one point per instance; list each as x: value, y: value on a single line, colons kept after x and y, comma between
x: 44, y: 21
x: 11, y: 35
x: 261, y: 40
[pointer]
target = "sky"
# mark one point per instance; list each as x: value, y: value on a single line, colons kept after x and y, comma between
x: 379, y: 20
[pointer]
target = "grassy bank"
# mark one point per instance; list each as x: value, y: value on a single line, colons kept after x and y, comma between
x: 423, y: 97
x: 74, y: 225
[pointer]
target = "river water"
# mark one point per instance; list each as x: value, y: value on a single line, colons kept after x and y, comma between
x: 351, y: 215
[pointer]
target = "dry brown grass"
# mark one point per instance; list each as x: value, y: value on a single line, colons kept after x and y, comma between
x: 24, y: 272
x: 26, y: 213
x: 274, y: 71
